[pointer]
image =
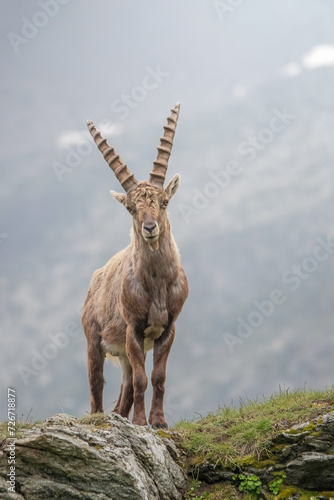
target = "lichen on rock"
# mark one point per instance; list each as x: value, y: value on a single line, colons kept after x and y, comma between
x: 308, y: 454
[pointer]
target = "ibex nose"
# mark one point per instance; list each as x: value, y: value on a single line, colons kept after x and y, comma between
x: 149, y: 227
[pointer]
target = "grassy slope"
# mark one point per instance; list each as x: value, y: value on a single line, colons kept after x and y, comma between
x: 232, y: 435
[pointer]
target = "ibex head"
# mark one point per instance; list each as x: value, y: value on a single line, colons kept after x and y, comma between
x: 146, y: 201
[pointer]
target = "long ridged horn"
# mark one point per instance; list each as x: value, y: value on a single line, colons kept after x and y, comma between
x: 117, y: 165
x: 160, y: 165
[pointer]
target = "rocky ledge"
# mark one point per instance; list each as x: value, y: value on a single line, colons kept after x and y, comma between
x: 105, y: 458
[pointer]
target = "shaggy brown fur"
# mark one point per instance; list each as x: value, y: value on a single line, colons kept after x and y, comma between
x: 133, y: 302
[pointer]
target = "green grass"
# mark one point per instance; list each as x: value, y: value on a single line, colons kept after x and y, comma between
x: 99, y: 420
x: 239, y: 435
x: 21, y: 425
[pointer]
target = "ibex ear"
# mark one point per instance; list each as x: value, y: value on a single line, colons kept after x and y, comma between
x: 173, y: 186
x: 119, y: 197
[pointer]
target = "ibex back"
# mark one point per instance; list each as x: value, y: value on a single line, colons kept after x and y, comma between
x: 134, y: 300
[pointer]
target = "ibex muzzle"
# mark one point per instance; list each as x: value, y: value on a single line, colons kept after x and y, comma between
x: 150, y: 230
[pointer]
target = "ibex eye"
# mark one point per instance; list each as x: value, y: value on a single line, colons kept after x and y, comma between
x: 164, y: 204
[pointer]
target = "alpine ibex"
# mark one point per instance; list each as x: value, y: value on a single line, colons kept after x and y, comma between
x: 134, y: 300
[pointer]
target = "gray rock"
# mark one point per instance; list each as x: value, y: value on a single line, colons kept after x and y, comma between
x: 308, y: 457
x: 211, y: 474
x: 312, y: 471
x: 66, y: 459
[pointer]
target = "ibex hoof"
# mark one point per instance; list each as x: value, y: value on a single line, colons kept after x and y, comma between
x: 160, y: 424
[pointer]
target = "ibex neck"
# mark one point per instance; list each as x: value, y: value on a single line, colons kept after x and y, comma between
x: 164, y: 261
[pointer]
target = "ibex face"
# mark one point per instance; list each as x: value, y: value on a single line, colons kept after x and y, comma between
x: 147, y: 204
x: 146, y: 201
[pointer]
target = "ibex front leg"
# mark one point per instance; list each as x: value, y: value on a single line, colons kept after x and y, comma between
x: 135, y: 353
x: 162, y: 347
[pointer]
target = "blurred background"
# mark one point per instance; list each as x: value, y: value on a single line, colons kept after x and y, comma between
x: 253, y: 218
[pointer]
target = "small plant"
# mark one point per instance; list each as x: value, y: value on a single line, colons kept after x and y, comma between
x: 204, y: 496
x: 274, y: 486
x: 249, y: 484
x: 192, y: 492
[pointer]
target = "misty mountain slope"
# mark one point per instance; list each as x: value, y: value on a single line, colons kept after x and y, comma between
x: 236, y: 245
x: 241, y: 109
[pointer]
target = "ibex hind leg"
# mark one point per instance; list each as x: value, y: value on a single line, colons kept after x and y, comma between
x: 125, y: 400
x: 95, y: 362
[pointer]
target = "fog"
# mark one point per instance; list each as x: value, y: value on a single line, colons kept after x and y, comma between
x: 253, y: 218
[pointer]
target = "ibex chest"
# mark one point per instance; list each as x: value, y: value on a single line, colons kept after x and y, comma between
x: 146, y: 300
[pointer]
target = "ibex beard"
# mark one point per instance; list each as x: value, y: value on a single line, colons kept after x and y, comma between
x: 134, y: 300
